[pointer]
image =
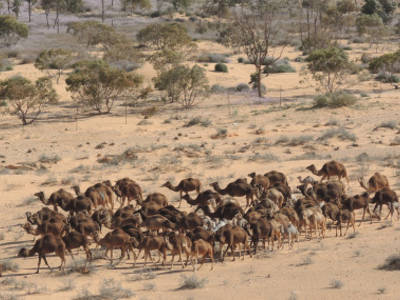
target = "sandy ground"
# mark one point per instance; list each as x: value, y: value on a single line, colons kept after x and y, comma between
x: 168, y: 150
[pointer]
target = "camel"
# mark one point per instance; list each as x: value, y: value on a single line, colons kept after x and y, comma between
x: 73, y: 240
x: 156, y: 222
x: 55, y: 228
x: 375, y: 183
x: 331, y: 168
x: 128, y: 189
x: 103, y: 216
x: 259, y: 181
x: 227, y: 211
x: 157, y: 198
x: 46, y: 245
x: 270, y: 230
x: 233, y: 235
x: 180, y: 244
x: 43, y: 215
x: 78, y: 204
x: 237, y: 189
x: 276, y: 177
x: 185, y: 186
x: 159, y: 243
x: 201, y: 248
x: 388, y: 197
x: 331, y: 191
x: 204, y: 198
x: 55, y: 198
x: 85, y: 225
x: 358, y: 202
x: 101, y: 194
x: 118, y: 239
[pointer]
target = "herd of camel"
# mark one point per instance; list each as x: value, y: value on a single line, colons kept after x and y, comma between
x: 273, y: 214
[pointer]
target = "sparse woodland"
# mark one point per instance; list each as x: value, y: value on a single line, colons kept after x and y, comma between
x: 145, y: 145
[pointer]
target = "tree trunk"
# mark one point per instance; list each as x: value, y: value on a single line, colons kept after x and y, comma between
x: 29, y: 10
x: 102, y: 11
x: 23, y: 119
x: 47, y: 19
x: 259, y: 81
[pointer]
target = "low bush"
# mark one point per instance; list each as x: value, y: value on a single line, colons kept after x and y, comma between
x: 387, y: 77
x: 242, y: 87
x: 334, y: 100
x: 212, y: 58
x: 220, y: 67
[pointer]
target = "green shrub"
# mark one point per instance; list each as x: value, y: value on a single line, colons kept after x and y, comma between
x: 212, y: 58
x: 387, y: 77
x: 334, y: 100
x: 217, y: 89
x: 220, y: 67
x: 240, y: 60
x: 242, y: 87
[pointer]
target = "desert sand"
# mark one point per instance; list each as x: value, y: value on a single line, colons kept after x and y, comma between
x: 168, y: 150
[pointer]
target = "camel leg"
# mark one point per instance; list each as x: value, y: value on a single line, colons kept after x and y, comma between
x: 180, y: 199
x: 38, y: 266
x: 70, y: 252
x: 212, y: 259
x: 45, y: 261
x: 347, y: 228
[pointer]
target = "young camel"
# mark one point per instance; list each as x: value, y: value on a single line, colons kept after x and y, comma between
x: 180, y: 244
x: 46, y: 245
x: 150, y: 243
x: 74, y: 239
x: 358, y: 202
x: 259, y: 181
x: 185, y: 186
x: 201, y: 248
x: 331, y: 168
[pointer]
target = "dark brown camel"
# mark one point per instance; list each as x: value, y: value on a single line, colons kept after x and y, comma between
x: 204, y: 198
x: 237, y: 189
x: 185, y: 186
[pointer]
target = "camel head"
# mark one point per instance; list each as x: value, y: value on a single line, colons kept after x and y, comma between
x: 28, y: 215
x: 167, y: 184
x: 252, y: 175
x: 215, y: 185
x: 27, y: 227
x: 76, y: 189
x: 41, y: 197
x: 23, y: 253
x: 116, y: 190
x: 312, y: 168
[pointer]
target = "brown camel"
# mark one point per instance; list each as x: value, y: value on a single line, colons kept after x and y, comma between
x: 157, y: 198
x: 100, y: 194
x: 185, y: 186
x: 204, y: 198
x: 237, y: 189
x: 259, y: 181
x: 358, y: 202
x: 201, y: 248
x: 276, y: 177
x: 117, y: 239
x: 55, y: 228
x: 226, y: 211
x: 74, y: 239
x: 375, y: 183
x: 159, y: 243
x: 55, y: 198
x: 233, y: 236
x: 331, y: 168
x: 46, y: 245
x: 126, y: 188
x: 388, y: 197
x: 180, y: 244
